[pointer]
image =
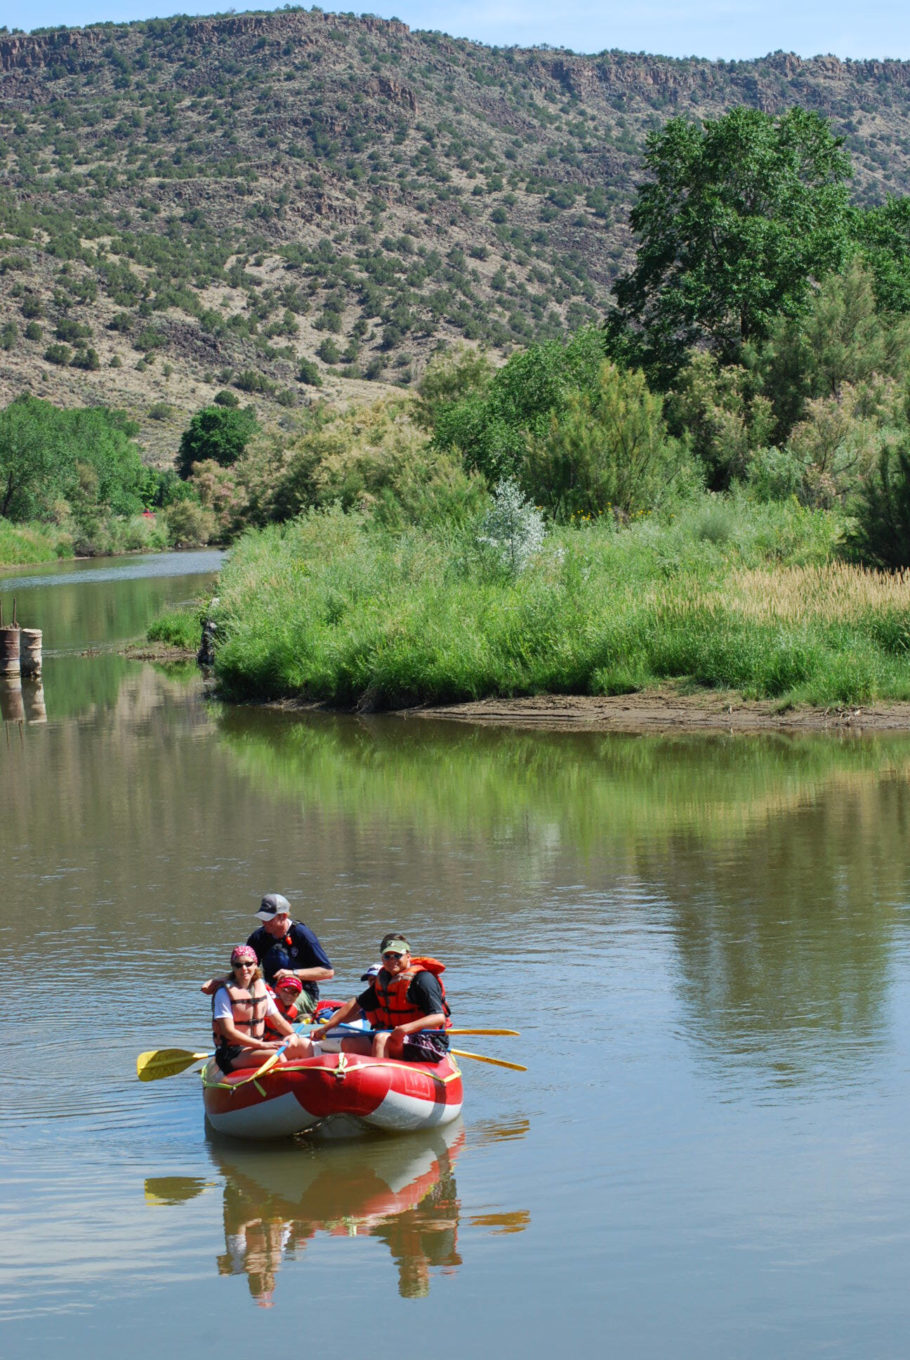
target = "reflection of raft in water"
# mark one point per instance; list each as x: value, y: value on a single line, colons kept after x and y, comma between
x: 338, y: 1092
x: 401, y: 1191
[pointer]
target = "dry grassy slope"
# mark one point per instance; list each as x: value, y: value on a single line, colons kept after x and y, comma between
x: 244, y: 188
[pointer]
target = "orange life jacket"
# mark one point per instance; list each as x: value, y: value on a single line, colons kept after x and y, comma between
x: 290, y: 1013
x: 248, y: 1009
x: 393, y: 1007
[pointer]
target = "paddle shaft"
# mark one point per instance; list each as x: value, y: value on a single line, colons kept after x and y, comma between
x: 271, y: 1060
x: 354, y: 1029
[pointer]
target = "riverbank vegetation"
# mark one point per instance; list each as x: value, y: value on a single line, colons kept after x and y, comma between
x: 705, y: 490
x: 72, y: 483
x: 713, y: 487
x: 330, y: 609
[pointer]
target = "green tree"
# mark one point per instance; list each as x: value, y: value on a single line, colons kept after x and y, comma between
x: 493, y: 426
x: 883, y: 234
x: 217, y: 432
x: 718, y: 409
x: 608, y: 450
x: 736, y: 220
x: 31, y: 465
x: 842, y: 338
x: 881, y: 535
x: 85, y: 457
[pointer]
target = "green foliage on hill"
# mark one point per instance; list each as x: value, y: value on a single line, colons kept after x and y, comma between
x: 227, y: 193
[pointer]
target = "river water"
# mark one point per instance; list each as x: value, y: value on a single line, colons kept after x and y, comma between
x: 705, y: 942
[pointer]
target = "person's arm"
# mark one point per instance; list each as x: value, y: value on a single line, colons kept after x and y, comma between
x: 210, y: 987
x: 337, y: 1018
x: 306, y: 974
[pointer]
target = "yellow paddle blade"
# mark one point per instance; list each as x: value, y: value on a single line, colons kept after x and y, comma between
x: 514, y: 1032
x: 479, y: 1057
x: 165, y: 1062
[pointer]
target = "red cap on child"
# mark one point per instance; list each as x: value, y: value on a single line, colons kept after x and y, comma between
x: 293, y: 983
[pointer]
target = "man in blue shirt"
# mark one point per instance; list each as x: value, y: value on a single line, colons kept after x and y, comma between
x: 285, y: 948
x: 289, y: 948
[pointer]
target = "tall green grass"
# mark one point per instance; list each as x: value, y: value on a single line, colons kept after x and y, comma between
x: 726, y: 594
x: 23, y: 544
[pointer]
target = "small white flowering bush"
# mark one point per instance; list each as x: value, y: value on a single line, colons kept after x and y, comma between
x: 513, y: 529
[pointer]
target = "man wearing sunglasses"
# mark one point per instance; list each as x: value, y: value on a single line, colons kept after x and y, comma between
x: 405, y: 1004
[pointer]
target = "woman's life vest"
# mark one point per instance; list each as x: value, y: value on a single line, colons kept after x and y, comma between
x: 290, y: 1013
x: 393, y: 1006
x: 248, y: 1009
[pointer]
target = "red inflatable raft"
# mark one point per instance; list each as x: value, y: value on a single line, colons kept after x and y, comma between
x: 339, y: 1092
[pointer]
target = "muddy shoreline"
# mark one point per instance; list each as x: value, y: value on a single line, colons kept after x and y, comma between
x: 667, y: 709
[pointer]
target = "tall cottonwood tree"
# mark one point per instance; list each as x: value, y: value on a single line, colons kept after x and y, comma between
x: 737, y: 218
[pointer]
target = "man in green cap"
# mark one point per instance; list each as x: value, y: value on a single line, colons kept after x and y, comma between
x: 405, y: 1004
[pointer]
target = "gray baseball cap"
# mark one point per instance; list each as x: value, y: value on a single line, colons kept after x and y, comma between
x: 272, y: 905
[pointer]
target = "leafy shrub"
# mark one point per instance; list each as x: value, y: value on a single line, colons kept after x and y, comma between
x: 189, y: 524
x: 881, y: 535
x: 251, y: 381
x: 512, y: 528
x: 606, y: 450
x: 722, y: 415
x: 87, y: 359
x: 328, y: 351
x: 307, y: 372
x: 216, y: 432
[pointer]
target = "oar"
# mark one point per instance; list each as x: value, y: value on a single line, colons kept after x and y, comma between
x: 516, y: 1033
x: 271, y: 1060
x: 479, y: 1057
x: 354, y: 1029
x: 166, y: 1062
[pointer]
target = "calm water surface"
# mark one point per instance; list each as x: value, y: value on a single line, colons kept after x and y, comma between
x: 704, y: 941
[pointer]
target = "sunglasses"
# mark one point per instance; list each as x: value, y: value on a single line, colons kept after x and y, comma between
x: 245, y: 964
x: 390, y: 954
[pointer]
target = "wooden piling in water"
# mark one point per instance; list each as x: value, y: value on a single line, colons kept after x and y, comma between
x: 30, y: 651
x: 9, y: 644
x: 9, y: 651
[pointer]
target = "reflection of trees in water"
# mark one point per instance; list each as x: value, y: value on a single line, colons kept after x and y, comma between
x: 778, y: 862
x: 784, y: 941
x: 603, y: 796
x: 401, y: 1190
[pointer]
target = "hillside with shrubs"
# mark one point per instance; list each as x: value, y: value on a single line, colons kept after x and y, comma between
x: 299, y: 204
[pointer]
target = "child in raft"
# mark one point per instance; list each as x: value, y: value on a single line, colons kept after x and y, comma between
x: 286, y: 994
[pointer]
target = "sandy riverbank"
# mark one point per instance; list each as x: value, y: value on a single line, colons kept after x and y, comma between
x: 669, y: 710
